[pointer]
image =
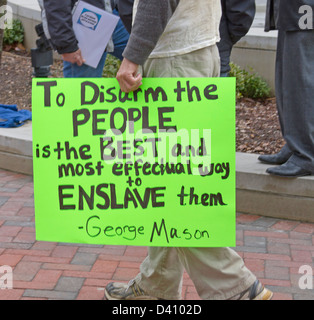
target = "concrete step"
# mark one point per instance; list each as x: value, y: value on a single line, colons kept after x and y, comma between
x: 16, y: 149
x: 257, y: 192
x: 261, y: 194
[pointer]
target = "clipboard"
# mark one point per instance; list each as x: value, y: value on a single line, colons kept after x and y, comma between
x: 93, y: 28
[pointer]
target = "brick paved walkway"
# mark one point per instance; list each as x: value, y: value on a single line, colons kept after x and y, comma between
x: 273, y: 249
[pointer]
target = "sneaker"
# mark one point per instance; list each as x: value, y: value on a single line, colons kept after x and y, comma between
x: 123, y: 291
x: 256, y: 292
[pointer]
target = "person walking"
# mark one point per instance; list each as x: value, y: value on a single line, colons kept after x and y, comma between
x: 236, y: 20
x: 177, y: 38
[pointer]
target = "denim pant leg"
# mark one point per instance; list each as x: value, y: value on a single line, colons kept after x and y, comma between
x: 72, y: 70
x: 120, y: 38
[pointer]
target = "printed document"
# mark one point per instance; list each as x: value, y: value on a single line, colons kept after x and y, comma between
x: 93, y: 28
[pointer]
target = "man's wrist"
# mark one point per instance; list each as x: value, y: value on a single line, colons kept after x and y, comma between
x: 67, y: 49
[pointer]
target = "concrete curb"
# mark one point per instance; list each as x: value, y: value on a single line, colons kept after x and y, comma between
x: 16, y: 149
x: 261, y: 194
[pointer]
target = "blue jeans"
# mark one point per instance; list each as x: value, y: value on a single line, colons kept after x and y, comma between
x: 120, y: 38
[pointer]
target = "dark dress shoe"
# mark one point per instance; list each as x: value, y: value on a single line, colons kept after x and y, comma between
x: 279, y: 158
x: 288, y: 170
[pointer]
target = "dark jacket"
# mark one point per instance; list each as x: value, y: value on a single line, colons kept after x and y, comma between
x: 237, y: 18
x: 59, y: 20
x: 272, y: 12
x: 284, y: 14
x: 126, y: 13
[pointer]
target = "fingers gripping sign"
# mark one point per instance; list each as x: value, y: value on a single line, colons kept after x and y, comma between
x: 128, y: 76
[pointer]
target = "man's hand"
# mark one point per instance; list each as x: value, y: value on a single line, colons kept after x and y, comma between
x: 74, y: 57
x: 128, y: 76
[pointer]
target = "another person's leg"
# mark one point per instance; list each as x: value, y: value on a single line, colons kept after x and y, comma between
x: 285, y: 153
x: 296, y: 111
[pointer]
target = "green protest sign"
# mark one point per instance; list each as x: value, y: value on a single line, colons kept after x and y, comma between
x: 152, y: 168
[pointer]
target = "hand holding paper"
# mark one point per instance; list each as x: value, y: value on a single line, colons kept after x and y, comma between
x: 74, y: 57
x: 93, y: 28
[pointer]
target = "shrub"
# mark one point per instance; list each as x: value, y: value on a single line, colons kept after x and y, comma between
x: 111, y: 67
x: 14, y: 35
x: 249, y: 83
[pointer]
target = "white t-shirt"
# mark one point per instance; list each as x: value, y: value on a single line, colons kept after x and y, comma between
x: 193, y: 26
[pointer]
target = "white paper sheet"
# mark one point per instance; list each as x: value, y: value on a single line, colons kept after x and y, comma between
x: 93, y: 28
